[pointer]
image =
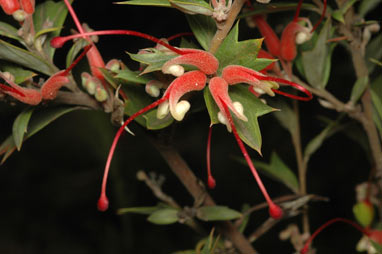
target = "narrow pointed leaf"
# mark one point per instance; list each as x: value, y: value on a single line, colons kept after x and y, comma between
x: 9, y: 31
x: 20, y: 127
x: 316, y: 62
x: 214, y: 213
x: 39, y: 121
x: 158, y: 3
x: 192, y: 6
x: 154, y: 60
x: 358, y: 88
x: 373, y: 51
x: 18, y: 72
x: 139, y: 210
x: 132, y: 76
x: 279, y: 171
x: 164, y: 216
x: 24, y: 58
x: 315, y: 143
x: 244, y: 53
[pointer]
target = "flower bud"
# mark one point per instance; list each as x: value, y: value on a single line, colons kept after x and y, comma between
x: 302, y: 37
x: 181, y: 109
x: 163, y: 110
x: 176, y: 70
x: 113, y: 65
x: 19, y: 15
x: 153, y: 87
x: 100, y: 94
x: 364, y: 213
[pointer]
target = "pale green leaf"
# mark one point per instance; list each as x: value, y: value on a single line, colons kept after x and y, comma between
x: 279, y: 171
x: 39, y: 121
x: 244, y: 53
x: 158, y: 3
x: 192, y: 6
x: 164, y: 216
x: 358, y: 88
x: 20, y: 127
x: 315, y: 61
x: 13, y: 54
x: 214, y: 213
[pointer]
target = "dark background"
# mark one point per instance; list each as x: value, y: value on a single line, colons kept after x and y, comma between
x: 49, y: 190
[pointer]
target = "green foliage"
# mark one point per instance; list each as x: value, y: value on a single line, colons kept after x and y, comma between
x: 216, y: 213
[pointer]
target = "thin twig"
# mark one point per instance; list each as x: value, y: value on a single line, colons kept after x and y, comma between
x: 157, y: 191
x: 193, y: 185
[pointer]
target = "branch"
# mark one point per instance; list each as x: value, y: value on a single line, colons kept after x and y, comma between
x: 193, y: 185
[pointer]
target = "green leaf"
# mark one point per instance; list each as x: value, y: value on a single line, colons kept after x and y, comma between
x: 140, y: 210
x: 212, y: 107
x: 339, y: 14
x: 192, y: 6
x: 53, y: 13
x: 74, y: 50
x: 373, y: 51
x: 364, y: 213
x: 316, y: 62
x: 376, y: 97
x: 204, y: 29
x: 244, y: 53
x: 153, y: 123
x: 358, y: 88
x: 9, y: 31
x: 158, y: 3
x: 215, y: 213
x: 20, y: 127
x: 18, y: 72
x: 366, y: 6
x: 13, y: 54
x: 315, y: 143
x: 137, y: 99
x: 248, y: 131
x: 131, y: 76
x: 39, y: 121
x: 154, y: 59
x: 279, y: 171
x: 164, y: 216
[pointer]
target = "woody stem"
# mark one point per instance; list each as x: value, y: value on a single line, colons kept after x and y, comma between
x: 301, y: 165
x: 193, y: 185
x: 223, y: 30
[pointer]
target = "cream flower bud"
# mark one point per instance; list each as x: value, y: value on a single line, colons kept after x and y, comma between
x: 163, y: 110
x: 176, y: 70
x: 302, y: 37
x: 180, y: 110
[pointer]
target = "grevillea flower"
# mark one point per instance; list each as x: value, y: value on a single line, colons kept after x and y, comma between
x: 207, y: 64
x: 48, y: 90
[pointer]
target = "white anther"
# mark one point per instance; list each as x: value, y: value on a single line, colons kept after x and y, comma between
x: 180, y: 110
x: 176, y: 70
x: 222, y: 118
x: 163, y: 110
x: 239, y: 107
x: 259, y: 90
